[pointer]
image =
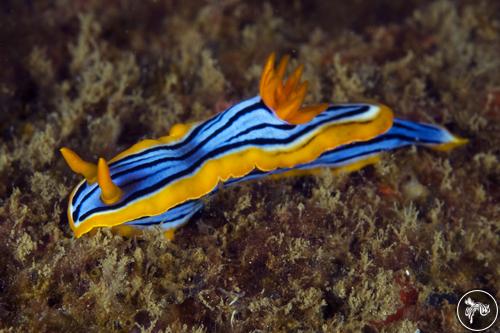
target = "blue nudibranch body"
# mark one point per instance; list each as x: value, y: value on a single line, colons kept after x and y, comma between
x: 160, y: 182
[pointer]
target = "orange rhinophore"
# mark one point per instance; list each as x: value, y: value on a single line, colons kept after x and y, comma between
x: 86, y: 169
x: 110, y: 193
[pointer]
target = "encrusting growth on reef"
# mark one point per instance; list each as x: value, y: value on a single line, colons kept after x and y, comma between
x: 388, y: 248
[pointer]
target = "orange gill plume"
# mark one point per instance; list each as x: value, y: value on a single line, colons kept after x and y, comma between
x: 285, y: 98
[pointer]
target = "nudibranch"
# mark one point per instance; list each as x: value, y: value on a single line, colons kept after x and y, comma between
x: 160, y: 182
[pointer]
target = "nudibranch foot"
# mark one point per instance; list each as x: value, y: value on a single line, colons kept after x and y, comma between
x: 169, y: 221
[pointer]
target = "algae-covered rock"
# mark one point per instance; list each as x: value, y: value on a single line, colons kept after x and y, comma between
x: 348, y: 253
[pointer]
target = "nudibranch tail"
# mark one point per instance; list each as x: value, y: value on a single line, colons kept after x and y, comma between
x: 286, y: 97
x: 86, y: 169
x: 110, y: 193
x: 432, y: 136
x: 455, y: 141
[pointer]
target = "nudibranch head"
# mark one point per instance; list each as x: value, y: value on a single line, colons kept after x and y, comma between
x: 285, y: 98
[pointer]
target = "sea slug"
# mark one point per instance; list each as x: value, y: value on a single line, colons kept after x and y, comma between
x: 159, y: 182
